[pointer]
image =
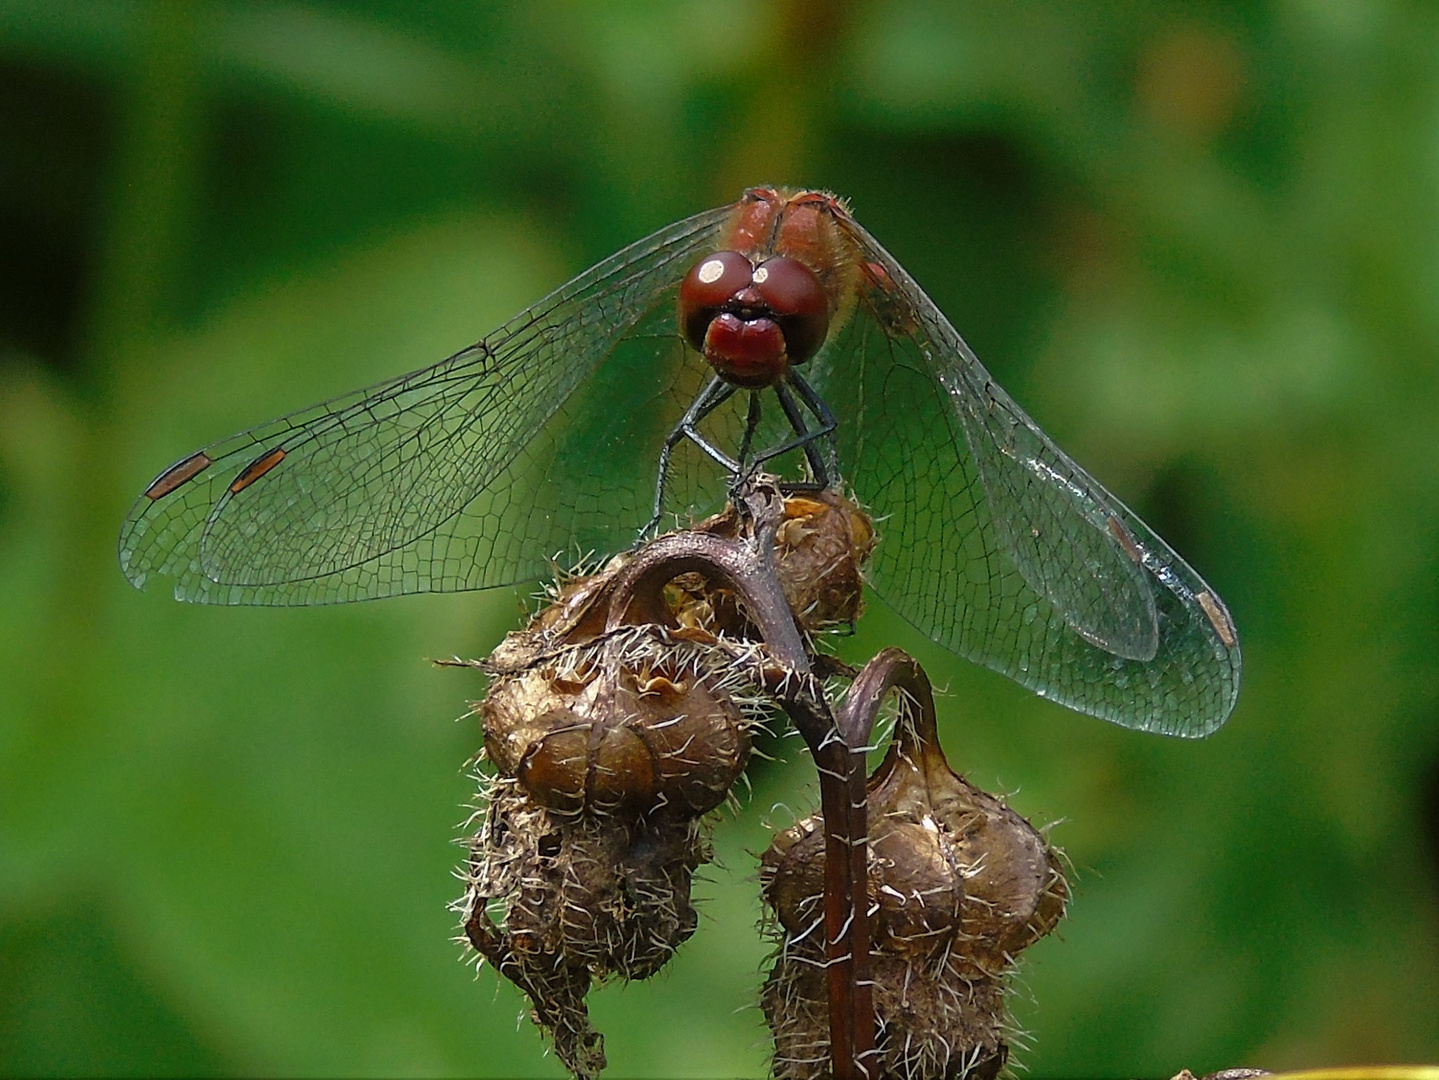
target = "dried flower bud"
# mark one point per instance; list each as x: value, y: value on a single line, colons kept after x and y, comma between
x: 611, y: 895
x: 553, y: 902
x: 641, y: 724
x: 821, y: 546
x: 958, y: 884
x: 610, y: 744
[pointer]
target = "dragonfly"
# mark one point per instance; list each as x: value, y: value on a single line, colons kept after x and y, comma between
x: 775, y: 332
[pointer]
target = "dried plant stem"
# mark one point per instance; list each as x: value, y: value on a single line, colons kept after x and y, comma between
x: 788, y: 672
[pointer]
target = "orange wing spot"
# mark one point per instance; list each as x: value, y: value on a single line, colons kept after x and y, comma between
x: 256, y: 469
x: 1126, y: 539
x: 178, y: 474
x: 1218, y: 616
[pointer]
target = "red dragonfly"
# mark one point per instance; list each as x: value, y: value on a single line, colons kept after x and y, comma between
x: 638, y: 391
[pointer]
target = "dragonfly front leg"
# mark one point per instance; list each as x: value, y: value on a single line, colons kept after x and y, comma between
x: 826, y: 470
x: 711, y: 397
x: 751, y: 425
x: 823, y: 466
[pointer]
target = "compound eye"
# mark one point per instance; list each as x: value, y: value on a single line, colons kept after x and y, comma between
x: 710, y: 285
x: 793, y: 292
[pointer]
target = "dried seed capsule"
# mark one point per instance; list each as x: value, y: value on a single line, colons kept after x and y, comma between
x: 552, y: 902
x: 641, y: 724
x: 821, y: 546
x: 610, y: 746
x: 958, y: 884
x: 612, y: 895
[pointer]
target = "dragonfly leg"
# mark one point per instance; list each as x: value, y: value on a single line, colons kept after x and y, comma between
x: 828, y: 467
x: 821, y: 465
x: 715, y: 394
x: 751, y: 425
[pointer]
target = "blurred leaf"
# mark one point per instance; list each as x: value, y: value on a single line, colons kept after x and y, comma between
x: 1199, y: 245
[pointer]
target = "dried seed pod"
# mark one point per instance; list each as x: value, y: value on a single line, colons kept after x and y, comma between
x: 958, y: 884
x: 553, y: 902
x: 821, y: 545
x: 612, y: 895
x: 641, y: 724
x: 610, y: 746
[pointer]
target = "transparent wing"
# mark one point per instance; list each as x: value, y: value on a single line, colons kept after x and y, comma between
x: 996, y: 544
x: 540, y: 441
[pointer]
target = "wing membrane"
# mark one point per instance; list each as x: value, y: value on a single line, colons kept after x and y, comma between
x: 542, y: 441
x: 422, y: 483
x: 1001, y: 548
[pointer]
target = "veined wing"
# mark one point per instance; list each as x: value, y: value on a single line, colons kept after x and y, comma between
x: 464, y: 475
x: 1001, y: 548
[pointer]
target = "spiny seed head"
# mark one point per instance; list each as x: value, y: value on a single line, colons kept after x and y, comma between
x: 611, y: 895
x: 958, y: 885
x: 640, y: 725
x: 821, y: 546
x: 554, y: 902
x: 610, y: 745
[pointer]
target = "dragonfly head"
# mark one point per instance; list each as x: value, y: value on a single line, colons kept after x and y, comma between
x: 751, y: 322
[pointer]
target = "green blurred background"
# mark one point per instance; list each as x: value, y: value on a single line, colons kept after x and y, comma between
x: 1200, y: 244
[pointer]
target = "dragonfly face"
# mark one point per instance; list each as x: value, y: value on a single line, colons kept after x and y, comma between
x: 784, y: 275
x: 547, y: 436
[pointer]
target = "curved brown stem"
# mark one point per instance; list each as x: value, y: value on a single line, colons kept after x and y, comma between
x: 638, y: 594
x: 748, y: 567
x: 890, y: 669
